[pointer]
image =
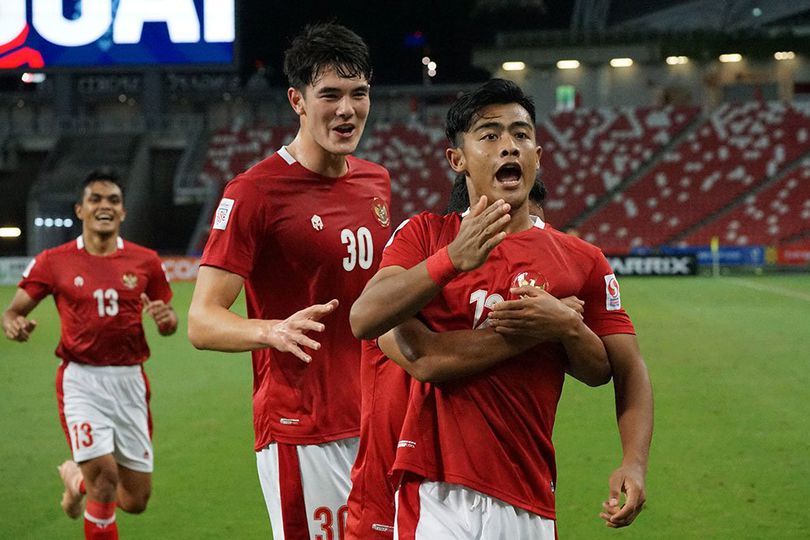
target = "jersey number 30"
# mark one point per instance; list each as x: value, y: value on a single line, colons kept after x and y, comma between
x: 360, y: 247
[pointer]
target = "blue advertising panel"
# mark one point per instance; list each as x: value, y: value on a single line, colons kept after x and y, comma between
x: 728, y: 255
x: 45, y: 34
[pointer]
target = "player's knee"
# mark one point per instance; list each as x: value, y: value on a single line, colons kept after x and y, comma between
x: 103, y: 486
x: 134, y: 503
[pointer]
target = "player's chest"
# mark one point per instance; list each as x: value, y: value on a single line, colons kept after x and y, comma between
x: 348, y: 230
x: 475, y: 293
x: 102, y: 283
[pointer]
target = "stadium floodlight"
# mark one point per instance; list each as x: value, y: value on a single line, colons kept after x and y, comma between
x: 33, y: 78
x: 431, y: 73
x: 567, y: 64
x: 10, y: 232
x: 513, y: 66
x: 730, y: 57
x: 432, y: 66
x: 784, y: 55
x: 621, y: 62
x: 677, y: 60
x: 425, y: 60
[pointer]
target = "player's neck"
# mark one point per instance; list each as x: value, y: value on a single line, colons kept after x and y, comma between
x: 314, y: 158
x: 521, y: 220
x: 100, y: 245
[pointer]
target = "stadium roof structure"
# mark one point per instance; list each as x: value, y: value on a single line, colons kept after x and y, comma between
x: 716, y: 16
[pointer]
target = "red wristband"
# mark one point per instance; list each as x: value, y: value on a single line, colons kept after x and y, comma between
x: 440, y: 268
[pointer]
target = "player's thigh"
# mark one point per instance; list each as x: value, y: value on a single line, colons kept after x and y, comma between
x: 306, y: 487
x: 132, y: 420
x: 86, y: 411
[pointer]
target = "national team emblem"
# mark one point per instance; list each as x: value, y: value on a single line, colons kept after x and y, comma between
x: 613, y: 301
x: 78, y: 281
x: 529, y: 279
x: 130, y: 280
x: 381, y: 212
x: 317, y: 222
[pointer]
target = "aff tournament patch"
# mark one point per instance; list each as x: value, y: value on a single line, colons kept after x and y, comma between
x: 613, y: 301
x: 223, y: 213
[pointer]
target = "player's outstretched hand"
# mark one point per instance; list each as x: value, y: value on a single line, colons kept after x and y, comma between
x: 536, y: 314
x: 481, y: 230
x: 162, y: 313
x: 630, y: 481
x: 289, y: 335
x: 18, y: 328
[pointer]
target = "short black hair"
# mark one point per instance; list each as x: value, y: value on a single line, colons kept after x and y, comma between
x: 464, y: 111
x: 324, y: 45
x: 102, y: 174
x: 460, y: 197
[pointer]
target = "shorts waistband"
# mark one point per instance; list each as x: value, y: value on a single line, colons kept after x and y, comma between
x: 106, y: 371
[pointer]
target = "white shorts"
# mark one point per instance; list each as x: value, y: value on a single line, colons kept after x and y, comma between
x: 105, y: 410
x: 440, y: 511
x: 306, y: 488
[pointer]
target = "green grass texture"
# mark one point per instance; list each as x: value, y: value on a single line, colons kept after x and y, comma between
x: 729, y: 360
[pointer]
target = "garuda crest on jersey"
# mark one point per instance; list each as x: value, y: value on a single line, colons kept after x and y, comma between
x: 530, y: 279
x: 130, y: 280
x: 381, y: 212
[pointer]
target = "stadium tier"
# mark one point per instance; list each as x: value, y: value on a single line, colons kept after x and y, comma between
x: 777, y: 213
x: 733, y: 151
x: 588, y: 152
x: 717, y: 176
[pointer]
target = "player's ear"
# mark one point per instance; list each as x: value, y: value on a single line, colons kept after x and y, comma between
x: 455, y: 157
x: 78, y: 209
x: 539, y: 151
x: 296, y: 99
x: 123, y: 215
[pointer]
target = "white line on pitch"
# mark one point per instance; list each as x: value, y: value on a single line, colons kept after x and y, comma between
x: 771, y: 289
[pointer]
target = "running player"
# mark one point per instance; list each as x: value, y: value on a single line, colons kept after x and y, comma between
x: 101, y: 284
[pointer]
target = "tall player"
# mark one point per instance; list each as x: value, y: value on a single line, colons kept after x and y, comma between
x: 100, y: 284
x: 475, y: 455
x: 302, y: 231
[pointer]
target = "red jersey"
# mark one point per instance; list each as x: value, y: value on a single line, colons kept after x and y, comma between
x: 98, y: 299
x: 492, y: 432
x: 385, y: 387
x: 299, y: 238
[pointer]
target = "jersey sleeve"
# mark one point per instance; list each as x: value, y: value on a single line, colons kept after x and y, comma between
x: 603, y: 308
x: 408, y: 245
x: 37, y: 279
x: 236, y: 229
x: 158, y: 286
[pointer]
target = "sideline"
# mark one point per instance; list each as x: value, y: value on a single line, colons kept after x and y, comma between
x: 797, y: 295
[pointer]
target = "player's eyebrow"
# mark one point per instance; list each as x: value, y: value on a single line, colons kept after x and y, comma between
x: 335, y: 90
x: 488, y: 125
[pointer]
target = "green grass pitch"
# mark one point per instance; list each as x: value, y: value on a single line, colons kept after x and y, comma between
x: 729, y: 360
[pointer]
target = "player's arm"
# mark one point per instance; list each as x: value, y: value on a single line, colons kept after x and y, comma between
x: 634, y: 414
x: 433, y: 357
x: 540, y: 315
x: 212, y: 325
x: 15, y: 324
x: 162, y: 313
x: 395, y: 294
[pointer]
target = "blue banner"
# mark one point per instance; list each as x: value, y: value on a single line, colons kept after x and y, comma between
x: 42, y: 34
x: 729, y: 255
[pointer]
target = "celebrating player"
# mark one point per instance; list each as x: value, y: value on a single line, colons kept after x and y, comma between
x: 475, y: 456
x: 302, y: 231
x: 633, y: 393
x: 101, y: 284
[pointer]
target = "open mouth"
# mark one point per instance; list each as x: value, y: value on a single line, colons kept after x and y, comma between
x: 509, y: 174
x: 345, y: 130
x: 104, y: 218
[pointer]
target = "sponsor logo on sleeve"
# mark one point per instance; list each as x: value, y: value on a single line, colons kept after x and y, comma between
x: 613, y: 301
x: 404, y: 443
x: 223, y: 213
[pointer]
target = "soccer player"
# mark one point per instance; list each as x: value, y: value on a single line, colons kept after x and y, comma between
x: 101, y: 285
x: 302, y: 231
x: 474, y: 456
x: 416, y: 351
x: 633, y: 394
